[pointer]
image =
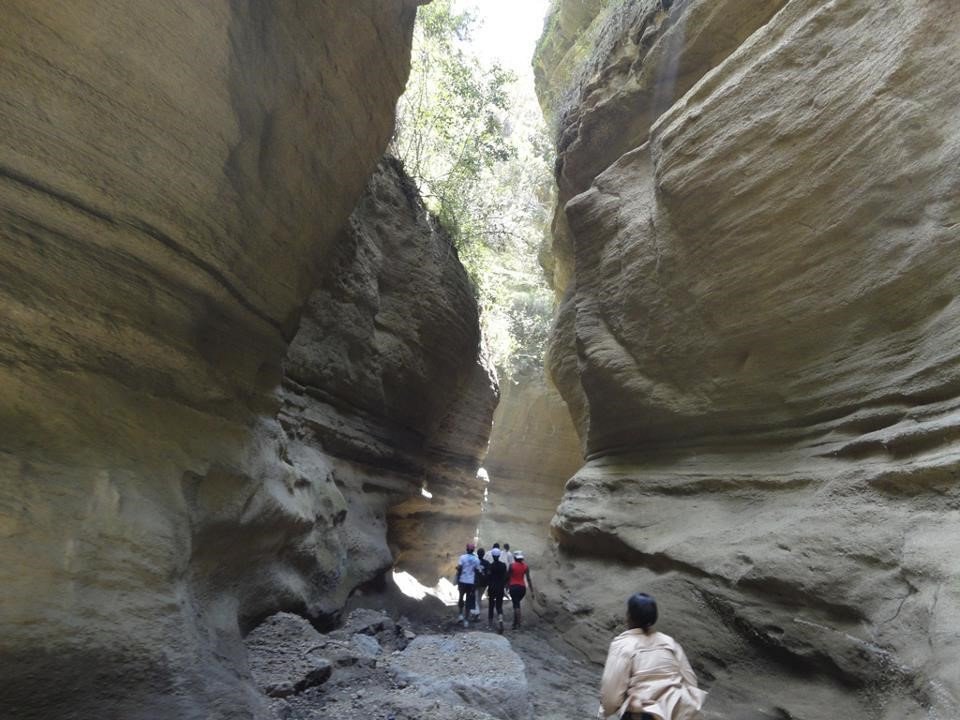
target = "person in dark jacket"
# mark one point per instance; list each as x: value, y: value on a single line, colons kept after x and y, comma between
x: 496, y: 583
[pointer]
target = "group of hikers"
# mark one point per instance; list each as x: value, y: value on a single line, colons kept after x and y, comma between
x: 646, y: 676
x: 501, y: 572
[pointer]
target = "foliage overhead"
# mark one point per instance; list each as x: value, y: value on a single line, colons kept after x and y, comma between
x: 479, y: 154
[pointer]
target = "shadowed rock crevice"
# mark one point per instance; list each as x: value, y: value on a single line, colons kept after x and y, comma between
x: 386, y: 374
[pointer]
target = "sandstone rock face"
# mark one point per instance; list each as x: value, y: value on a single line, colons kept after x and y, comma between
x: 533, y: 451
x: 758, y: 340
x: 285, y: 656
x: 175, y: 180
x: 386, y: 374
x: 478, y: 670
x: 606, y: 70
x: 570, y: 31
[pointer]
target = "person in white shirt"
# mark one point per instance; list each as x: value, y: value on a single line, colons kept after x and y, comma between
x: 466, y: 578
x: 507, y: 556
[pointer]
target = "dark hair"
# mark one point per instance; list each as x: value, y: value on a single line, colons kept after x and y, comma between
x: 506, y: 546
x: 480, y: 552
x: 642, y: 611
x: 497, y: 545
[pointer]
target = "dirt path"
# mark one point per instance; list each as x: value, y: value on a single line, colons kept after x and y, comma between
x: 395, y: 658
x: 562, y: 685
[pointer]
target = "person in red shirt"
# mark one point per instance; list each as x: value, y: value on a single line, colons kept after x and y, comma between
x: 518, y: 579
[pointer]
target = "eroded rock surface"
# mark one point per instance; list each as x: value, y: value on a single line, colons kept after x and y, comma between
x: 175, y: 181
x: 533, y: 451
x: 377, y: 667
x: 474, y: 669
x: 758, y: 341
x: 284, y: 653
x: 386, y: 376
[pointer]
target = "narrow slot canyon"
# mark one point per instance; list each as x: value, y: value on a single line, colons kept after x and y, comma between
x: 300, y: 298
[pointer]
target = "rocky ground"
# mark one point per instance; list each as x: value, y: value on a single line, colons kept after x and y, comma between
x: 395, y: 659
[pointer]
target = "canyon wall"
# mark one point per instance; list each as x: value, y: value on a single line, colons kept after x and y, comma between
x: 755, y: 250
x: 175, y: 186
x: 386, y: 375
x: 533, y: 451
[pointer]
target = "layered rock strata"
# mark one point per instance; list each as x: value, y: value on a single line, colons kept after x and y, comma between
x: 533, y: 451
x: 758, y: 342
x: 386, y: 375
x: 175, y: 180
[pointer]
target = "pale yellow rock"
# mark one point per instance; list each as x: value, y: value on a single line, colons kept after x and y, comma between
x: 533, y: 451
x: 759, y: 343
x: 710, y: 321
x: 604, y: 98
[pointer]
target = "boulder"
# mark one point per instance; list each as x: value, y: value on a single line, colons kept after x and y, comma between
x: 285, y: 655
x: 478, y: 670
x: 366, y: 621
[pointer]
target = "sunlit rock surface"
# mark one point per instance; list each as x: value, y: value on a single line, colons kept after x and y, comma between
x: 175, y: 180
x: 533, y: 451
x: 759, y: 341
x: 478, y: 669
x: 569, y: 33
x: 606, y: 70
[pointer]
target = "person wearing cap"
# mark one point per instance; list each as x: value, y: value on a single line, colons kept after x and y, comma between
x: 518, y: 578
x: 466, y: 577
x: 647, y: 675
x: 507, y: 556
x: 496, y: 583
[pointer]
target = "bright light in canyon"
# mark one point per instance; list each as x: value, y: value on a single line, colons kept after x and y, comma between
x: 507, y: 32
x: 444, y: 590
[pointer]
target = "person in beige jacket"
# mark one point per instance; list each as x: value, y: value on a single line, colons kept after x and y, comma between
x: 647, y: 675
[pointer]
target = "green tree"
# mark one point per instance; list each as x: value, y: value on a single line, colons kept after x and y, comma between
x: 450, y: 122
x: 480, y: 158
